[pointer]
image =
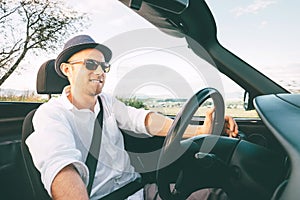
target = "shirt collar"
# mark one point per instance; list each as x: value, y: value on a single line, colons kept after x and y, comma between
x: 68, y: 105
x: 66, y: 92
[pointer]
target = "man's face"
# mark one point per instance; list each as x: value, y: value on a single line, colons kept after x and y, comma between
x: 84, y: 81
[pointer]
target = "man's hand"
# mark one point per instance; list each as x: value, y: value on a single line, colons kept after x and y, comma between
x: 208, y: 122
x: 230, y: 126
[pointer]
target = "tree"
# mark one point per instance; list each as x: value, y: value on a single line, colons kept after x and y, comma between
x: 133, y: 102
x: 33, y: 25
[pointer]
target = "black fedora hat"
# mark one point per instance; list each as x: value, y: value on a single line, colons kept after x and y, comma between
x: 77, y: 44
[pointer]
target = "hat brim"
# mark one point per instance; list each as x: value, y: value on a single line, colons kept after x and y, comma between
x: 67, y: 53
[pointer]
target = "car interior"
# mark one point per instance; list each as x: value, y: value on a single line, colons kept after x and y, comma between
x: 261, y: 164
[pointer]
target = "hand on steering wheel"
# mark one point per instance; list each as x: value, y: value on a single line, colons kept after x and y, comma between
x: 230, y: 126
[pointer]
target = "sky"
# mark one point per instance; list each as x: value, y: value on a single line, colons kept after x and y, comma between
x: 265, y: 33
x: 273, y: 24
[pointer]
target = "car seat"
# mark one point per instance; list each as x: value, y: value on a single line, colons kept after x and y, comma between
x: 48, y: 82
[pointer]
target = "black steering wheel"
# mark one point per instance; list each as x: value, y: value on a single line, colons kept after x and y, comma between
x: 174, y: 148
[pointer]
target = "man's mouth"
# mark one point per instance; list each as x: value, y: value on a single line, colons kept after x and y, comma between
x: 96, y: 80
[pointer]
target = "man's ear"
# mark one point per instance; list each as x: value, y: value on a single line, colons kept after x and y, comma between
x: 66, y: 69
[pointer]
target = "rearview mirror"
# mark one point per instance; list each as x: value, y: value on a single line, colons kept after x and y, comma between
x: 248, y: 101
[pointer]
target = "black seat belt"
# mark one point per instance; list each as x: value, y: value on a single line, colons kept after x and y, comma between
x: 92, y: 158
x: 125, y: 191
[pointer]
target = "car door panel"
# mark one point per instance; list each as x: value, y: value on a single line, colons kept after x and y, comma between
x: 14, y: 183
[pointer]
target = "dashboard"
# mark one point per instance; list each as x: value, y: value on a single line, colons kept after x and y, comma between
x: 281, y: 114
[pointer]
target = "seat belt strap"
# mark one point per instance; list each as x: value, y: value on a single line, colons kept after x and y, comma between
x: 93, y: 155
x: 126, y: 190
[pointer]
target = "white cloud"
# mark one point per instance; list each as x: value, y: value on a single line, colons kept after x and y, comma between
x: 263, y: 24
x: 90, y: 6
x: 253, y: 8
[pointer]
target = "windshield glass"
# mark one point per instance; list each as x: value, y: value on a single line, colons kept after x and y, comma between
x: 264, y: 33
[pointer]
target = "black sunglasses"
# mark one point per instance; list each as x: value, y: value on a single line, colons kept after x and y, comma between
x: 91, y: 64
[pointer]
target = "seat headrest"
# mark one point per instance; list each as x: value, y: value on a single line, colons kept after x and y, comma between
x: 48, y: 81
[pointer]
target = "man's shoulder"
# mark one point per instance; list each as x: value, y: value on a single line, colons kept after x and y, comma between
x: 53, y: 105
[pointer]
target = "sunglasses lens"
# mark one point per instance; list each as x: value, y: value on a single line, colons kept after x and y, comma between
x: 105, y: 66
x: 91, y: 65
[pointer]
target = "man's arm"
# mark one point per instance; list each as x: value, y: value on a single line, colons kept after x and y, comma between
x: 159, y: 125
x: 68, y: 184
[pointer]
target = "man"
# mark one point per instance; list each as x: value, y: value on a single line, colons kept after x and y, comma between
x: 66, y: 124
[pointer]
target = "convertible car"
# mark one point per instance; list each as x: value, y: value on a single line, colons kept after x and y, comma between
x: 262, y: 163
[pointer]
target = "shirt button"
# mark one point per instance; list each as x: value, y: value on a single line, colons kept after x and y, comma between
x: 118, y: 180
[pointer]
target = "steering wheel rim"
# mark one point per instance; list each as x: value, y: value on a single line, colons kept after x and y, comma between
x: 172, y: 141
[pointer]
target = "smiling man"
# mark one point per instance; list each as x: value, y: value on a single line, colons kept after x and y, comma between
x: 66, y: 126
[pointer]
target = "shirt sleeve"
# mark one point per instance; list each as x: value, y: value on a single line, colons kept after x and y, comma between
x: 130, y: 118
x: 52, y: 146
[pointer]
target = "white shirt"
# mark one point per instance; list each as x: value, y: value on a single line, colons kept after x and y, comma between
x: 63, y: 136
